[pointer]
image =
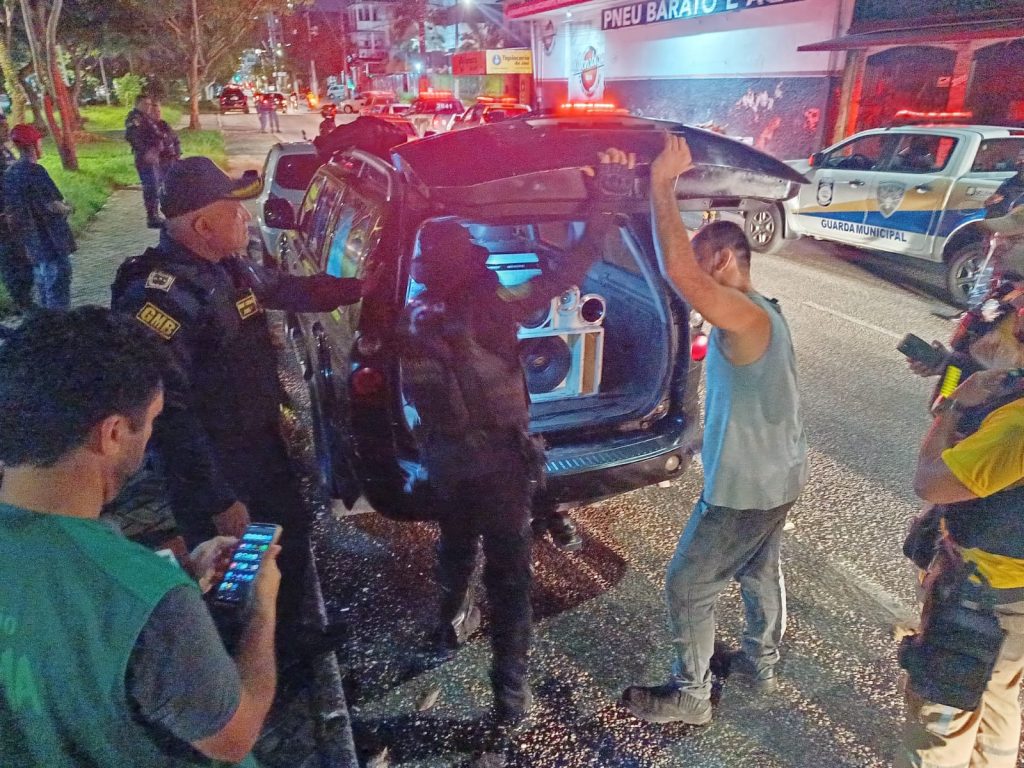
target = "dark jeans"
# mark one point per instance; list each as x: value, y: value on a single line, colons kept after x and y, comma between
x: 260, y: 472
x: 16, y: 273
x: 719, y: 545
x: 149, y: 175
x: 496, y: 509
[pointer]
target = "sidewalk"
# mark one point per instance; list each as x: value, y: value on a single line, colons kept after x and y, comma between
x: 308, y: 725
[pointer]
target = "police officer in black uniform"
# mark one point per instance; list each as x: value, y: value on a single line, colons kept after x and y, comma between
x: 218, y: 440
x: 142, y: 133
x: 463, y: 374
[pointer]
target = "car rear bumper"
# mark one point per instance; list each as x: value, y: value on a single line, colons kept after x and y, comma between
x: 398, y: 489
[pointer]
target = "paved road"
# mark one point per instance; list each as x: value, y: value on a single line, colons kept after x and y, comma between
x: 600, y: 619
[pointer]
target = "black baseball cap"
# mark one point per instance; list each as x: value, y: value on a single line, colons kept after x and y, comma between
x: 196, y: 182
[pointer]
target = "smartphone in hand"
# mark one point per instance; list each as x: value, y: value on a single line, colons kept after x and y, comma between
x: 920, y: 350
x: 236, y: 588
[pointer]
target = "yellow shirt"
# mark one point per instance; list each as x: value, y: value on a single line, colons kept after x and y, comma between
x: 986, y: 462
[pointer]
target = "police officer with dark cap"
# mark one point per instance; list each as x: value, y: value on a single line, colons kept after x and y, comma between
x: 143, y: 135
x: 218, y: 440
x: 462, y: 372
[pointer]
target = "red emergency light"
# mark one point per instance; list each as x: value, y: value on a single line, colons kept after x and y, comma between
x: 593, y: 107
x: 496, y: 99
x: 435, y: 95
x: 911, y: 115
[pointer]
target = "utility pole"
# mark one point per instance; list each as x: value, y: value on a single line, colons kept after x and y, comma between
x: 314, y: 86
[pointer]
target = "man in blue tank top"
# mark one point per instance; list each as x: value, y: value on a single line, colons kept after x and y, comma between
x: 754, y: 456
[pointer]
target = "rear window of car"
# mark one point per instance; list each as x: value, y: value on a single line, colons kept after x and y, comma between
x: 295, y: 171
x: 231, y: 93
x: 996, y: 155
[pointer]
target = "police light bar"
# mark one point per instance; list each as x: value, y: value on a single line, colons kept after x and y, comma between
x: 435, y: 94
x: 913, y: 116
x: 496, y: 99
x: 593, y: 107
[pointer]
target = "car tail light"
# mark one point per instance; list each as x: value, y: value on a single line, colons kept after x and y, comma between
x: 699, y: 347
x: 367, y: 383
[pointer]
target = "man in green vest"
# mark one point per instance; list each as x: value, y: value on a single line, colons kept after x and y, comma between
x: 108, y: 655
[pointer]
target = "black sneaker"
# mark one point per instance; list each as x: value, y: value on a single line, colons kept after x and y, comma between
x: 666, y: 704
x: 762, y: 681
x: 155, y: 222
x: 563, y: 533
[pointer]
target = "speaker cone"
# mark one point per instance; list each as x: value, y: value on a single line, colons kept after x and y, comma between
x: 592, y: 309
x: 546, y: 362
x: 538, y: 318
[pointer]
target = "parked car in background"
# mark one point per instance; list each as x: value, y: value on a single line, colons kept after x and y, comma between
x: 287, y: 171
x: 366, y: 99
x: 611, y: 423
x: 913, y: 190
x: 233, y: 99
x: 394, y: 109
x: 433, y: 111
x: 489, y: 109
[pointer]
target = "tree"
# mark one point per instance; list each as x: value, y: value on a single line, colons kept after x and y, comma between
x: 12, y: 83
x: 204, y: 32
x: 41, y: 18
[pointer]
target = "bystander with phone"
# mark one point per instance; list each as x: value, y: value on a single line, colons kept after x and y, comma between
x: 111, y: 656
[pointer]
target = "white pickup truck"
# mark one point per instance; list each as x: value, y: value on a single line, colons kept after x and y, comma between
x: 916, y: 191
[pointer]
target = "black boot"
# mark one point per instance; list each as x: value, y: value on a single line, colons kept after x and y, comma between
x: 512, y: 700
x: 563, y: 532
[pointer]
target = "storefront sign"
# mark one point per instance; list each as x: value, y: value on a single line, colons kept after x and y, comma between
x: 498, y: 61
x: 510, y: 61
x: 634, y: 14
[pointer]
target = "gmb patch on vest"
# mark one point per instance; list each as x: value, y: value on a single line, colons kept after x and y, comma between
x: 157, y: 320
x: 160, y: 281
x: 248, y: 305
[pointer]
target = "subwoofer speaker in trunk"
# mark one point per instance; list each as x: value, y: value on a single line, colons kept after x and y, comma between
x: 547, y: 360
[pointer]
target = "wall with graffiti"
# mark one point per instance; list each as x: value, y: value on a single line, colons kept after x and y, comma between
x: 784, y: 116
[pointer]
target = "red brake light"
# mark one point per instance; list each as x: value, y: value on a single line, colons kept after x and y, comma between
x: 810, y: 161
x: 367, y: 383
x: 699, y: 347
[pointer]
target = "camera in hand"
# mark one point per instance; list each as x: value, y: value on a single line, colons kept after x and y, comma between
x: 235, y: 590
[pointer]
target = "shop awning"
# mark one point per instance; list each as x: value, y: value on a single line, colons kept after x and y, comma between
x: 939, y: 33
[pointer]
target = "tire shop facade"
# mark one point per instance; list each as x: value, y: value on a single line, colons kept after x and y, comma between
x: 787, y: 76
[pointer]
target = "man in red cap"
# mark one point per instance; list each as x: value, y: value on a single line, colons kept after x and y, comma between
x: 38, y: 215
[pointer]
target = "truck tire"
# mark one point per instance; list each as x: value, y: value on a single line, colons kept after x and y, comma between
x: 962, y: 266
x: 347, y: 109
x: 763, y: 227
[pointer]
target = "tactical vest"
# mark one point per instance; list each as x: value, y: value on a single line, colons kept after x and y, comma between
x: 235, y: 387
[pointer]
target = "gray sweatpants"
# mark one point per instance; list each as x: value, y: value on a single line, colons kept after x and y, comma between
x: 718, y: 545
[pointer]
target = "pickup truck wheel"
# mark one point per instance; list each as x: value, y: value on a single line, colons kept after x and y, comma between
x: 962, y: 269
x: 763, y: 227
x: 347, y: 109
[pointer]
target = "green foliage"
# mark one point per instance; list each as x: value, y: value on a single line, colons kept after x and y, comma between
x: 128, y: 87
x: 103, y: 118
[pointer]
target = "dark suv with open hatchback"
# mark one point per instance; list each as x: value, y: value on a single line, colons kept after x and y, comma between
x: 612, y: 385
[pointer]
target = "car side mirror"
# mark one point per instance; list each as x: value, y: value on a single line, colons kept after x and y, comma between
x: 278, y: 213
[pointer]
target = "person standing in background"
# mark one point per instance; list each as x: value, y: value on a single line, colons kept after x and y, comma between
x: 144, y: 137
x: 15, y: 267
x: 170, y: 144
x: 39, y: 214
